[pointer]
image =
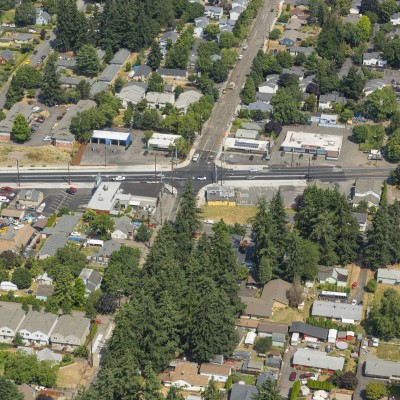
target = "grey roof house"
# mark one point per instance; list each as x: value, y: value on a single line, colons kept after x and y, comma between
x: 334, y: 275
x: 120, y: 57
x: 369, y: 190
x: 109, y: 73
x: 47, y: 355
x: 37, y: 327
x: 104, y: 253
x: 170, y: 36
x: 142, y: 72
x: 347, y: 313
x: 51, y: 245
x: 70, y: 331
x: 6, y: 56
x: 172, y: 73
x: 242, y: 392
x: 10, y: 321
x: 317, y: 359
x: 43, y: 292
x: 123, y: 228
x: 42, y: 17
x: 388, y: 276
x: 383, y: 369
x: 66, y: 224
x: 91, y: 278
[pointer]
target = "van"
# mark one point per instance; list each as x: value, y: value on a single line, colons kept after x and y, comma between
x: 4, y: 199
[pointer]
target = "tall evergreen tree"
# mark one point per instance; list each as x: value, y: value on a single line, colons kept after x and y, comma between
x: 378, y: 248
x: 155, y: 56
x: 267, y: 391
x: 50, y: 90
x: 212, y: 392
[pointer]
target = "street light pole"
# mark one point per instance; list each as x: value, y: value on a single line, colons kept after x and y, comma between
x: 69, y: 175
x: 18, y: 179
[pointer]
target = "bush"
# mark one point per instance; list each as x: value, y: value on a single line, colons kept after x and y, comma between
x: 22, y: 278
x: 347, y: 380
x: 317, y: 385
x: 275, y: 34
x: 375, y: 390
x: 295, y: 390
x: 229, y: 382
x: 371, y: 286
x: 262, y: 345
x: 81, y: 352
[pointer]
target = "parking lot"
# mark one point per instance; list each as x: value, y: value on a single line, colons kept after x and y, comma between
x: 43, y: 129
x: 135, y: 154
x: 57, y: 198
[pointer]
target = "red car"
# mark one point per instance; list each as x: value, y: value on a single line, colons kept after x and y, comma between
x: 71, y: 190
x: 39, y: 119
x: 292, y: 376
x: 6, y: 188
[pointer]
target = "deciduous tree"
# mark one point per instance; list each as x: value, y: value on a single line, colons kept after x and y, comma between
x: 20, y: 129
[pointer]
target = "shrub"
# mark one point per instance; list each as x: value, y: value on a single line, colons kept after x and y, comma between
x: 317, y: 385
x: 275, y: 34
x: 371, y: 286
x: 295, y: 390
x: 262, y: 345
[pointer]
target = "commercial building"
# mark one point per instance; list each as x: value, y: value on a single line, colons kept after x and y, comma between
x: 313, y: 143
x: 111, y: 138
x: 221, y: 195
x: 62, y: 137
x: 144, y: 196
x: 306, y: 358
x: 388, y: 276
x: 246, y: 145
x: 247, y: 134
x: 344, y: 312
x: 7, y: 124
x: 162, y: 141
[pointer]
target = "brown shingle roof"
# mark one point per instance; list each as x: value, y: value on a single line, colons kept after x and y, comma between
x: 276, y: 290
x: 187, y: 372
x: 213, y: 369
x: 272, y: 327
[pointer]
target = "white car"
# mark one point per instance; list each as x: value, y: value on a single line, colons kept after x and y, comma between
x: 354, y: 302
x: 119, y: 178
x: 375, y: 342
x: 364, y: 345
x: 17, y: 227
x: 201, y: 178
x: 35, y: 109
x: 253, y: 170
x: 209, y: 221
x: 76, y: 234
x: 47, y: 138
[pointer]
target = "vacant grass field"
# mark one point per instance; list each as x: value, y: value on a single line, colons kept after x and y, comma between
x: 32, y: 155
x: 287, y: 315
x: 388, y: 351
x: 230, y: 215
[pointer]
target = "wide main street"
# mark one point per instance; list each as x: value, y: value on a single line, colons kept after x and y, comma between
x: 217, y: 125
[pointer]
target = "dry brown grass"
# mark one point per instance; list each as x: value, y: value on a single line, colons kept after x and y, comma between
x: 230, y: 215
x: 74, y: 375
x: 9, y: 153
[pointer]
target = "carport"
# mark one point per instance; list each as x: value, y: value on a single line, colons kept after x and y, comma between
x: 114, y: 138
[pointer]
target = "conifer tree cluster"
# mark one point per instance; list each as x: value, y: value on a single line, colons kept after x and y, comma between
x: 183, y: 301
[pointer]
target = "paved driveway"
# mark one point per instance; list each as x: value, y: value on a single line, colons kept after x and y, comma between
x: 284, y: 383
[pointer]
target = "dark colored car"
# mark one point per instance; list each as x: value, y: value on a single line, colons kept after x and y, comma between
x: 35, y: 52
x: 71, y: 190
x: 43, y: 57
x: 307, y: 375
x: 251, y: 158
x: 292, y: 376
x: 60, y: 117
x: 314, y: 157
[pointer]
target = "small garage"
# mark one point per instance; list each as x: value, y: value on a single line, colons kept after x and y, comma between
x: 111, y: 138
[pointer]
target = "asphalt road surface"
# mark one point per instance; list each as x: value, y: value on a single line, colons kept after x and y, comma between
x: 224, y: 109
x: 43, y: 49
x: 323, y: 173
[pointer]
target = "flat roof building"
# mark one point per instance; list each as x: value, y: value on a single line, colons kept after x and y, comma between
x: 114, y: 138
x: 246, y: 134
x: 246, y: 145
x: 162, y: 141
x: 313, y: 143
x: 344, y: 312
x: 388, y: 276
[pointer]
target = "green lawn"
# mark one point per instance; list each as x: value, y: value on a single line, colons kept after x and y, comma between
x: 388, y: 352
x: 247, y: 379
x: 8, y: 16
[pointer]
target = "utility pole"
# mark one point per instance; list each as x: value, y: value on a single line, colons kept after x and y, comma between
x: 221, y: 170
x: 69, y: 175
x: 18, y: 179
x: 291, y: 164
x: 155, y: 167
x: 309, y: 165
x: 216, y: 173
x: 105, y: 156
x: 172, y: 176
